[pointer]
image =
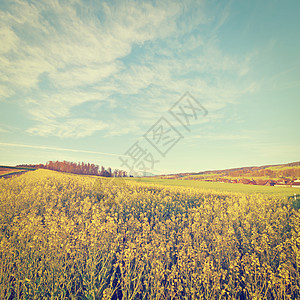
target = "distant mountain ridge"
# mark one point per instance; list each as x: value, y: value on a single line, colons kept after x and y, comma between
x: 279, y: 174
x: 253, y: 168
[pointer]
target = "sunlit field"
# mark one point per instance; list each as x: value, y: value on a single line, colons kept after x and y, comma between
x: 223, y: 187
x: 81, y: 237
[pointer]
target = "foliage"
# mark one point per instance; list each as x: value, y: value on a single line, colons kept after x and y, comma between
x: 78, y: 168
x: 295, y: 200
x: 77, y: 237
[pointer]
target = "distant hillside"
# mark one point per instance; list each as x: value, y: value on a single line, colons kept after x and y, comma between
x: 281, y: 174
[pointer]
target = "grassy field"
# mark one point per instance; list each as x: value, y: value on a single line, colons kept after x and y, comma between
x: 66, y: 236
x: 223, y: 187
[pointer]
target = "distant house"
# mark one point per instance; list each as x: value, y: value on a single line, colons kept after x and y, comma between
x: 282, y: 181
x: 262, y: 182
x: 270, y: 183
x: 244, y: 181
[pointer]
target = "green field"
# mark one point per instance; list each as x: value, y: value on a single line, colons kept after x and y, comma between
x: 224, y: 187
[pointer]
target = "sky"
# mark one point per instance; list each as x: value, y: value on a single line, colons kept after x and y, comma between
x: 162, y: 86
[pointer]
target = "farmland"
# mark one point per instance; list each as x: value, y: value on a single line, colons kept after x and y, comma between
x: 222, y: 187
x: 5, y: 171
x: 82, y: 237
x: 269, y: 175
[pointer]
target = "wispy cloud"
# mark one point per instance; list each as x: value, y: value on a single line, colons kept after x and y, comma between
x: 57, y: 149
x: 3, y: 130
x: 71, y: 128
x: 69, y: 53
x: 222, y: 137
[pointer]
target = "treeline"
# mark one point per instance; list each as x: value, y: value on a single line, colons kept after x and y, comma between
x: 78, y: 168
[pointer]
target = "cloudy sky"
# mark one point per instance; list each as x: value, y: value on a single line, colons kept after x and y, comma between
x: 93, y: 80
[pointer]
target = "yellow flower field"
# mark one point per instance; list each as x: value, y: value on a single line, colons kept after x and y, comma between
x: 80, y: 237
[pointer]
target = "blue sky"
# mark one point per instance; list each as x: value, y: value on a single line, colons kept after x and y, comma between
x: 85, y: 80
